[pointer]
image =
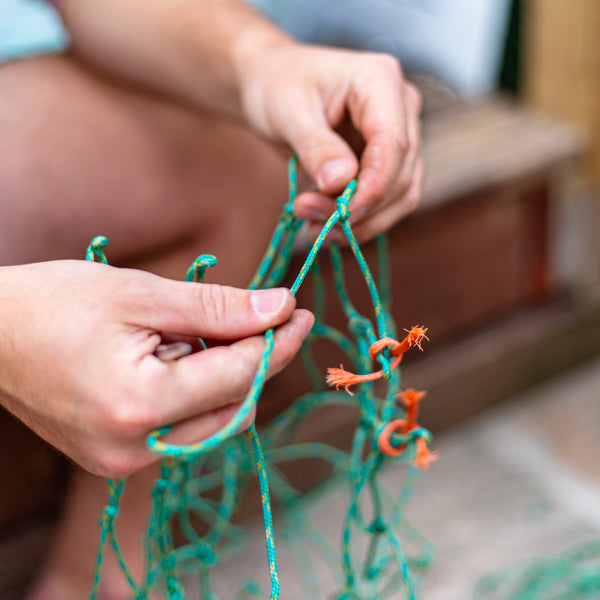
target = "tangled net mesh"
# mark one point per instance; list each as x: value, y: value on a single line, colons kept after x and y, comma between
x: 200, y: 485
x: 191, y: 529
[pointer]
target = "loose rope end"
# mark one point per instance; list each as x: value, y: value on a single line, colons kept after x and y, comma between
x: 416, y: 335
x: 424, y: 455
x: 341, y: 378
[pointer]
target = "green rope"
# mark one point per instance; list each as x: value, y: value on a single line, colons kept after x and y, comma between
x: 572, y: 575
x: 191, y: 474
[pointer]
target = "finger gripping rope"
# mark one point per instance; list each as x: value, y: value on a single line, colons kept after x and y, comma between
x: 200, y: 484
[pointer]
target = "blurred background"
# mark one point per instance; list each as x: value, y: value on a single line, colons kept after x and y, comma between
x: 501, y: 262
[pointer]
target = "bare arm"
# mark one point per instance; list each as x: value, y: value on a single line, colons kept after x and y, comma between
x: 193, y: 51
x: 222, y: 55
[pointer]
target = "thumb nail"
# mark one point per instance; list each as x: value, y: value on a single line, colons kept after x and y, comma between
x: 268, y: 301
x: 333, y: 171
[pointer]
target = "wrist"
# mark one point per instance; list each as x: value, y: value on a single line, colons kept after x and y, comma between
x: 252, y: 59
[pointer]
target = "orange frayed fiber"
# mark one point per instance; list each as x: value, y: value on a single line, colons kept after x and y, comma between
x: 341, y: 378
x: 424, y: 457
x: 383, y: 441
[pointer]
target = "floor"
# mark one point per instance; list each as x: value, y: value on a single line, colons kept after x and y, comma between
x: 521, y: 482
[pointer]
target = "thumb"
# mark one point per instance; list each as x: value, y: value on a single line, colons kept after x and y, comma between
x: 325, y: 156
x: 213, y: 311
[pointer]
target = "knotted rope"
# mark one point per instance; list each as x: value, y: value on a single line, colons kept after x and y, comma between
x: 385, y: 429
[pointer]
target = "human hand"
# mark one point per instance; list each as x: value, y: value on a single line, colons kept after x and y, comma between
x: 77, y: 362
x: 300, y: 95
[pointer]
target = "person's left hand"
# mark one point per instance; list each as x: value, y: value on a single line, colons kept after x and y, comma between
x: 306, y: 96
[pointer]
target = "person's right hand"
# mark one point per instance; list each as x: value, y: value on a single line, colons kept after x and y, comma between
x: 78, y: 363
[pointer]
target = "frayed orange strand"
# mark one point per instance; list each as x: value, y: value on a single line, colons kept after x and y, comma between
x: 424, y: 455
x: 411, y: 399
x: 341, y: 378
x: 383, y: 441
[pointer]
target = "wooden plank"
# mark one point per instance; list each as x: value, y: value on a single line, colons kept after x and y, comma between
x: 479, y: 146
x: 488, y: 367
x: 562, y: 65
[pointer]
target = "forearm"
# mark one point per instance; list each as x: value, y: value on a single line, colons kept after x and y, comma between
x: 191, y: 50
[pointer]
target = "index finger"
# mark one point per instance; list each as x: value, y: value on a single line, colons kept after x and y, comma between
x: 205, y: 381
x: 377, y: 109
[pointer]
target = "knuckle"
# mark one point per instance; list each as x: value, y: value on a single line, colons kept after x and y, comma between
x: 128, y: 418
x: 240, y: 368
x: 415, y: 96
x: 213, y: 303
x: 317, y: 150
x: 413, y: 200
x: 404, y: 183
x: 117, y: 464
x: 400, y: 142
x: 377, y: 188
x: 245, y: 371
x: 389, y: 62
x: 419, y: 175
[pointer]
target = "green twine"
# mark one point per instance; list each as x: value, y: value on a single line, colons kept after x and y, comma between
x: 225, y: 461
x: 573, y: 575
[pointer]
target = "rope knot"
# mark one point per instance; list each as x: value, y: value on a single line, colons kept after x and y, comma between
x: 342, y: 208
x: 343, y: 201
x: 341, y: 378
x: 174, y: 588
x: 206, y: 556
x: 160, y: 486
x: 394, y: 437
x: 111, y: 511
x: 384, y: 439
x: 251, y: 587
x: 378, y: 526
x: 365, y: 423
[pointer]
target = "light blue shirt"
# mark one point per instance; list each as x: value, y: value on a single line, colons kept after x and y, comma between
x: 29, y: 27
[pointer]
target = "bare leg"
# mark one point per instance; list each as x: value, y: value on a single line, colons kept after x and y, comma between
x: 81, y: 157
x: 67, y: 573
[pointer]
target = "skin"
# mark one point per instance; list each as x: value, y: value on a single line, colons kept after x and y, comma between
x: 292, y: 94
x: 152, y: 84
x: 101, y: 415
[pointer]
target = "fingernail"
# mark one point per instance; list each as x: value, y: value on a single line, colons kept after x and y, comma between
x: 268, y: 301
x: 172, y: 351
x: 332, y: 171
